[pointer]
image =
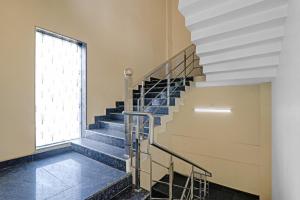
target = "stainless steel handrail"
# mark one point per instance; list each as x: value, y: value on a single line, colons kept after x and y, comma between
x: 181, y: 158
x: 169, y: 74
x: 166, y: 88
x: 156, y: 69
x: 153, y: 143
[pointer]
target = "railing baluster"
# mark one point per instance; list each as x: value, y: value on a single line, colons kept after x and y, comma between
x: 192, y: 183
x: 171, y: 177
x: 168, y: 83
x: 142, y: 97
x: 184, y: 63
x: 137, y: 156
x: 151, y: 181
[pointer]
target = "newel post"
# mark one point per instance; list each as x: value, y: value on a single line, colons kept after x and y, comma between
x: 128, y: 72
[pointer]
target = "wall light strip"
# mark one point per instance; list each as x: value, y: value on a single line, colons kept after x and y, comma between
x: 213, y: 110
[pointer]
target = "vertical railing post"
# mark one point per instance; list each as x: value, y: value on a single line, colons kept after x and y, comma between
x: 192, y: 183
x: 151, y: 178
x: 142, y: 97
x: 205, y: 193
x: 171, y: 178
x: 184, y: 63
x: 127, y: 107
x: 168, y: 83
x: 141, y: 108
x: 137, y: 157
x: 193, y: 62
x: 139, y: 129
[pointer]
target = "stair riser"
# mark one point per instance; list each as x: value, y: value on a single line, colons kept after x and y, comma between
x: 120, y: 104
x: 101, y: 157
x: 111, y: 126
x: 114, y: 110
x: 111, y: 191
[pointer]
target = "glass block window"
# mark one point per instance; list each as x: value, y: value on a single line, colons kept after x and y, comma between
x: 57, y: 89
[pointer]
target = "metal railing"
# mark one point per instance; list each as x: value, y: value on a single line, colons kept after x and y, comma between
x: 179, y: 67
x: 196, y: 186
x: 169, y: 76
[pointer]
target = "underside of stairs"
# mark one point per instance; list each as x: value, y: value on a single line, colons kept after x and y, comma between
x: 238, y: 41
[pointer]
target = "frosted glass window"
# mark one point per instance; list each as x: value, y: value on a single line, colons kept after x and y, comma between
x: 58, y: 89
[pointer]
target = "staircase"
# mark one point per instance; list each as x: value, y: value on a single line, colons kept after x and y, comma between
x: 115, y: 138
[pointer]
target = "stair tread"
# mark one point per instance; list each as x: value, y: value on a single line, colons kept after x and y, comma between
x: 158, y: 92
x: 109, y: 132
x: 102, y: 147
x: 117, y: 122
x: 148, y: 87
x: 114, y: 121
x: 154, y: 98
x: 151, y: 106
x: 154, y: 115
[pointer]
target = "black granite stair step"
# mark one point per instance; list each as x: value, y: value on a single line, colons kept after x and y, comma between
x: 149, y: 85
x: 119, y: 123
x: 161, y: 110
x: 158, y: 94
x: 172, y: 79
x: 119, y: 109
x: 113, y: 125
x: 154, y: 79
x: 107, y: 136
x: 160, y: 89
x: 110, y: 137
x: 157, y: 110
x: 120, y: 116
x: 119, y: 103
x: 156, y: 102
x: 107, y: 154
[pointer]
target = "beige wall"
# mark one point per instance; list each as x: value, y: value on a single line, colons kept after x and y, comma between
x: 235, y: 147
x: 118, y: 33
x: 178, y: 36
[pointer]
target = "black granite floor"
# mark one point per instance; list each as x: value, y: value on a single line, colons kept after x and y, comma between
x: 69, y: 176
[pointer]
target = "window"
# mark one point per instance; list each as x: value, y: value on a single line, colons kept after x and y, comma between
x: 59, y: 88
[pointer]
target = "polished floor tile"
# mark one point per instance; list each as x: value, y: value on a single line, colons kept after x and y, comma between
x: 67, y: 176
